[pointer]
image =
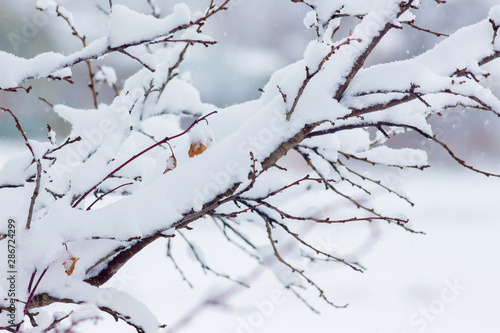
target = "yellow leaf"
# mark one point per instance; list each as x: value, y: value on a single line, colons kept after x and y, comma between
x: 69, y: 263
x: 196, y: 149
x: 171, y: 164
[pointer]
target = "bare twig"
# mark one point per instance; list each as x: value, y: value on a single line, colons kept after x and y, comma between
x: 295, y: 270
x: 309, y: 75
x: 237, y: 233
x: 33, y: 290
x: 36, y: 191
x: 169, y: 255
x: 110, y: 191
x: 437, y: 34
x: 82, y: 38
x: 137, y: 59
x: 15, y: 89
x: 205, y: 267
x: 38, y: 166
x: 139, y: 154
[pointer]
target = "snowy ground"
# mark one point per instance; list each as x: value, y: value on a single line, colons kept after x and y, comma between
x: 444, y: 281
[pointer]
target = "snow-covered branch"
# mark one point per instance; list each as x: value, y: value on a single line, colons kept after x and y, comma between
x: 132, y: 172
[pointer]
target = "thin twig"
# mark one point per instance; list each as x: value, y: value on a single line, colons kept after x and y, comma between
x: 167, y: 138
x: 36, y: 191
x: 138, y: 60
x: 205, y: 267
x: 169, y: 255
x: 38, y: 166
x: 438, y: 34
x: 295, y: 270
x: 309, y: 75
x: 84, y: 43
x: 110, y: 191
x: 32, y: 291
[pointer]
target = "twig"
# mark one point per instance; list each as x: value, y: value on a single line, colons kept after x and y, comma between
x: 377, y: 182
x: 354, y: 266
x: 167, y: 138
x: 295, y: 270
x: 205, y: 267
x: 15, y: 89
x: 11, y: 186
x: 84, y: 43
x: 169, y: 255
x: 38, y: 166
x: 366, y: 160
x: 55, y: 322
x: 371, y: 44
x: 47, y: 102
x: 137, y: 59
x: 155, y: 13
x: 32, y: 291
x: 110, y: 191
x: 445, y: 146
x: 237, y: 233
x: 171, y: 70
x: 36, y: 191
x: 67, y: 142
x: 437, y: 34
x: 309, y: 75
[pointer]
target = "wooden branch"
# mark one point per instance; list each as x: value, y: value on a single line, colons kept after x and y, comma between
x: 36, y: 191
x: 442, y: 144
x: 360, y: 60
x: 295, y: 270
x: 110, y: 191
x: 164, y: 140
x: 437, y: 34
x: 98, y: 52
x: 309, y: 75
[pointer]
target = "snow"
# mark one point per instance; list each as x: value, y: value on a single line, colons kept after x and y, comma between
x: 402, y: 276
x: 180, y: 96
x: 108, y: 74
x: 145, y: 201
x: 494, y: 15
x: 131, y: 27
x: 405, y: 272
x: 310, y: 19
x: 389, y: 156
x: 49, y: 6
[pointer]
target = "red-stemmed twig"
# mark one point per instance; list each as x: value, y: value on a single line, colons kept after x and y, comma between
x: 38, y: 166
x: 164, y: 140
x: 110, y: 191
x: 294, y: 269
x: 15, y: 89
x: 82, y: 38
x: 309, y: 75
x: 32, y: 291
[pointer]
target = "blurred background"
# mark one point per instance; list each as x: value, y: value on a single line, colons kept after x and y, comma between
x: 406, y: 273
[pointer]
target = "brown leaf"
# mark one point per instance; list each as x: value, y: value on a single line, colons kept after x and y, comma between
x: 196, y: 149
x: 69, y: 263
x: 171, y: 164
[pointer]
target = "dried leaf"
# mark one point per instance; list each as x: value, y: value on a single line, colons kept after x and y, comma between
x: 69, y: 263
x: 196, y: 149
x: 171, y: 164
